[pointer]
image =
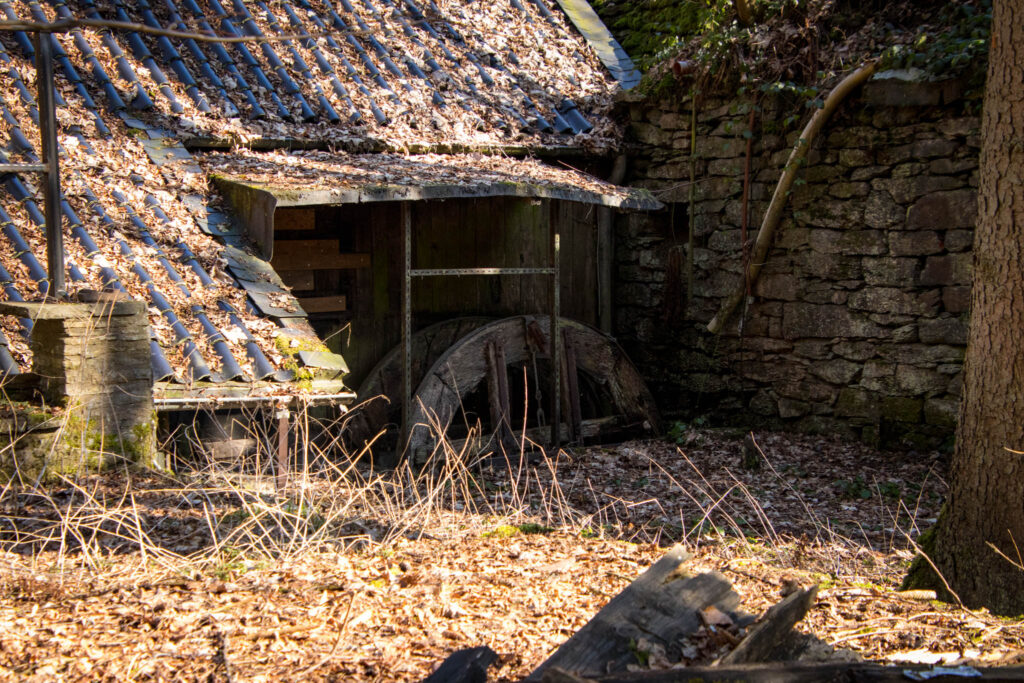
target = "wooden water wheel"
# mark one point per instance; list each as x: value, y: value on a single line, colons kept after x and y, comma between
x: 499, y: 377
x: 379, y: 398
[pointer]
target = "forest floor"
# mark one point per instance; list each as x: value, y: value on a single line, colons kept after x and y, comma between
x: 362, y: 576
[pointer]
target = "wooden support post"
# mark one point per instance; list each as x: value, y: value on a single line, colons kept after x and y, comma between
x: 403, y: 437
x: 572, y: 390
x: 605, y: 263
x: 556, y: 345
x: 51, y: 188
x: 282, y: 449
x: 497, y: 391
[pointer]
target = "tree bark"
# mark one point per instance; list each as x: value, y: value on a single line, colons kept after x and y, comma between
x: 986, y: 502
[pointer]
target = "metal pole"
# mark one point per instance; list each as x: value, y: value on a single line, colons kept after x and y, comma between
x: 556, y: 336
x: 51, y: 189
x: 406, y: 326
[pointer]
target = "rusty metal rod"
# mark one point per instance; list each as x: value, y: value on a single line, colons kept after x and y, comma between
x: 51, y: 188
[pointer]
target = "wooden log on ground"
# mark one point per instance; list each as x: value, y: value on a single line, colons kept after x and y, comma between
x: 662, y: 606
x: 797, y: 672
x: 772, y: 628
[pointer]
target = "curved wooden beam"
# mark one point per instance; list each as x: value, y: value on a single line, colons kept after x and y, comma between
x: 379, y: 398
x: 460, y: 370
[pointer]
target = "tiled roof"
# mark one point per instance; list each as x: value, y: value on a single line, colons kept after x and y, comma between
x: 397, y: 71
x: 139, y: 215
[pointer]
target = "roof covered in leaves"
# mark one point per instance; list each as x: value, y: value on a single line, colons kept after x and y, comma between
x: 139, y: 213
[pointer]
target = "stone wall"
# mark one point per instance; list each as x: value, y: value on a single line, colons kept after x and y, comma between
x: 92, y: 360
x: 858, y: 322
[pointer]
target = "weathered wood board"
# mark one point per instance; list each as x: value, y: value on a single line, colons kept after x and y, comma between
x: 662, y: 606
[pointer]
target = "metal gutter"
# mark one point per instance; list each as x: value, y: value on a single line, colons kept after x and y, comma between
x: 597, y: 35
x: 340, y: 400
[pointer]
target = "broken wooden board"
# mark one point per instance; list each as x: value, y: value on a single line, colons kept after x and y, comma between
x: 772, y: 628
x: 316, y: 254
x: 798, y: 672
x: 337, y: 303
x: 662, y: 606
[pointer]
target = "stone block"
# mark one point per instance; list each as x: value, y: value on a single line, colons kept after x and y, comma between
x: 960, y: 126
x: 820, y: 173
x: 901, y: 409
x: 726, y: 241
x: 890, y: 271
x: 956, y: 385
x: 959, y: 240
x: 881, y: 211
x: 764, y: 403
x: 836, y: 371
x: 779, y: 286
x: 673, y: 121
x: 718, y: 147
x: 895, y: 154
x: 952, y: 166
x: 891, y: 300
x: 848, y: 190
x: 918, y: 243
x: 941, y: 412
x: 766, y: 371
x: 789, y: 407
x: 849, y: 242
x: 956, y: 299
x: 792, y: 236
x: 855, y: 351
x: 855, y: 158
x: 649, y: 134
x: 947, y: 330
x: 905, y: 334
x: 918, y: 381
x: 923, y: 354
x: 853, y: 137
x: 869, y: 172
x: 853, y: 402
x: 909, y: 189
x: 950, y: 269
x: 944, y: 211
x: 812, y: 348
x: 728, y: 167
x: 806, y: 390
x: 879, y: 376
x: 803, y: 320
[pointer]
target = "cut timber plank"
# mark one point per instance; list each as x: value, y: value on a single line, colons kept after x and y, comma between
x: 298, y: 279
x: 314, y: 255
x: 661, y: 606
x: 294, y: 219
x: 772, y: 628
x: 323, y: 304
x: 792, y: 672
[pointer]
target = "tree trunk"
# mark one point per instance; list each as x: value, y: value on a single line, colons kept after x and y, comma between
x: 986, y: 502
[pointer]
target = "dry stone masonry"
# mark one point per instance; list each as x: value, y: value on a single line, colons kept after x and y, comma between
x: 92, y: 360
x: 858, y: 322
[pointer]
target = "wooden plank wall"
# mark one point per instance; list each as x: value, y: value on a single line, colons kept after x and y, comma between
x: 489, y: 232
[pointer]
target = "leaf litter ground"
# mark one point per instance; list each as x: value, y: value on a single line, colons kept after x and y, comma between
x: 366, y: 577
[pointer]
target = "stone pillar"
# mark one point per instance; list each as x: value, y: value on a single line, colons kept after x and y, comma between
x: 94, y: 358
